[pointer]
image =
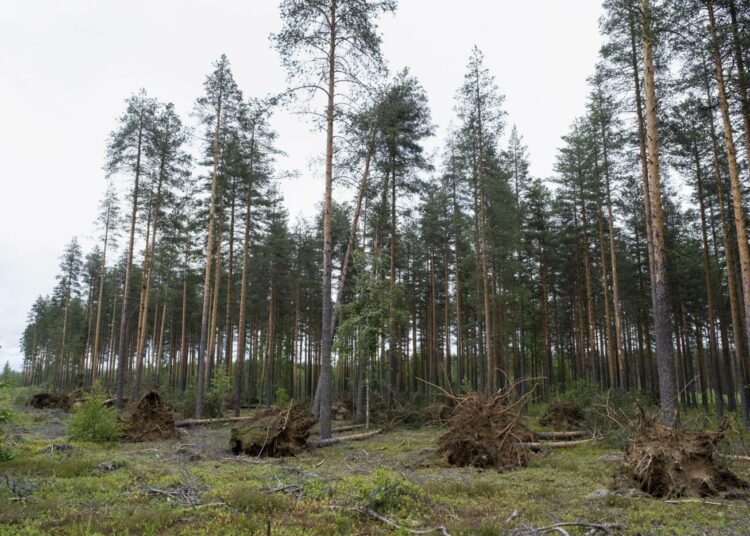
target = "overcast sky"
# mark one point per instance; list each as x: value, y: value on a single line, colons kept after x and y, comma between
x: 67, y: 66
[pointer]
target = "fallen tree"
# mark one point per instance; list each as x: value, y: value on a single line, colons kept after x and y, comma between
x: 199, y: 422
x: 560, y: 435
x: 340, y: 439
x: 536, y: 446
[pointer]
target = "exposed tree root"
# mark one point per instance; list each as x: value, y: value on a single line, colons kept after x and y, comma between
x: 150, y: 420
x: 484, y: 431
x: 274, y: 433
x: 673, y: 462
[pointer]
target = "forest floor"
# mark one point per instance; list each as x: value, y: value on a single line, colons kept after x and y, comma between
x: 194, y: 485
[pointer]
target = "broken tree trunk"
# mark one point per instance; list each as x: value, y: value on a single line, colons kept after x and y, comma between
x: 341, y: 439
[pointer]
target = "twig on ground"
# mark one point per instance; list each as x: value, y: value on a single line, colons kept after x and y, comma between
x: 291, y: 488
x: 593, y: 528
x: 374, y: 515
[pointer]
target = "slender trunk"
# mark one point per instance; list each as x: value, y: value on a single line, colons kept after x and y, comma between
x: 592, y: 361
x: 228, y: 327
x: 200, y: 385
x: 324, y: 414
x: 490, y: 361
x: 100, y: 299
x: 660, y: 285
x: 620, y: 350
x: 123, y: 357
x: 713, y: 349
x: 215, y: 294
x: 741, y: 78
x: 183, y: 334
x: 611, y: 357
x: 457, y: 261
x: 739, y: 211
x: 242, y: 323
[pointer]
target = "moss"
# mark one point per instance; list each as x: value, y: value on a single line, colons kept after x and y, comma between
x: 69, y: 495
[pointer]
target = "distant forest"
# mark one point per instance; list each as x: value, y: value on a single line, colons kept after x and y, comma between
x: 628, y: 269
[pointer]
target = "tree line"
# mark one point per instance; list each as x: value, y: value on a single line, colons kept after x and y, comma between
x: 628, y: 268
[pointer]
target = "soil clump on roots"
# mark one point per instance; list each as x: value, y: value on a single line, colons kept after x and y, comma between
x: 484, y: 432
x: 673, y: 462
x: 275, y: 433
x: 341, y: 410
x: 150, y: 420
x: 563, y: 416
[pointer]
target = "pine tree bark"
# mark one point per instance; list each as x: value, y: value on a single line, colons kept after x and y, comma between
x: 100, y: 299
x: 739, y: 211
x: 324, y: 414
x: 713, y: 347
x: 201, y: 361
x: 123, y: 356
x: 244, y: 290
x: 660, y: 285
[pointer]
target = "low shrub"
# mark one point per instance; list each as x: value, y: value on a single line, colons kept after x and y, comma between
x: 387, y: 492
x: 93, y: 421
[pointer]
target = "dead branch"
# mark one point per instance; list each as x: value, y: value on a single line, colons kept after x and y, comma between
x: 593, y: 528
x: 347, y: 428
x: 197, y: 422
x: 539, y: 445
x: 560, y: 435
x: 377, y: 517
x: 291, y: 488
x: 340, y: 439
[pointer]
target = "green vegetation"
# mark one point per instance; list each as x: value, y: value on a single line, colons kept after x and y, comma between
x: 93, y: 421
x: 196, y: 487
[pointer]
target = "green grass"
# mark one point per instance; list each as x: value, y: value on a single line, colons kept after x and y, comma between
x: 72, y: 493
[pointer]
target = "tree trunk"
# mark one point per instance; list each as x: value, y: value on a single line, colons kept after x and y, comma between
x: 660, y: 285
x: 242, y: 323
x: 123, y: 357
x: 100, y: 299
x: 324, y: 414
x: 739, y: 211
x: 200, y: 385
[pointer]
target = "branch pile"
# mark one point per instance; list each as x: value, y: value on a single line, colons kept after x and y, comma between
x: 484, y: 431
x: 150, y: 420
x: 274, y: 433
x: 674, y: 462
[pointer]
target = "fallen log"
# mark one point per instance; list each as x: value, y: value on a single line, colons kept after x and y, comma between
x: 194, y: 422
x: 347, y: 428
x: 739, y: 458
x: 536, y: 446
x: 560, y: 435
x: 341, y: 439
